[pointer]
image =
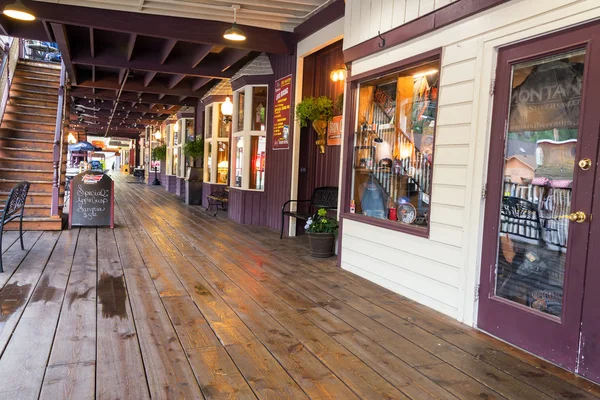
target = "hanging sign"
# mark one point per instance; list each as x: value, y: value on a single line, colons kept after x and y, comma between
x: 334, y: 131
x: 281, y: 113
x: 92, y: 200
x: 549, y: 98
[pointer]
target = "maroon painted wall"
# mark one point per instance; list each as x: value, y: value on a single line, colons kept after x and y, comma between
x: 207, y: 189
x: 318, y: 169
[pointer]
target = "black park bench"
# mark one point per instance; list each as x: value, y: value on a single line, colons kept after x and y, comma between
x: 13, y: 209
x: 323, y: 197
x: 218, y: 199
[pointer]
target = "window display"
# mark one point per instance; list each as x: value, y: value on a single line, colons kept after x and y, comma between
x: 539, y: 164
x: 238, y: 161
x: 222, y: 161
x: 257, y: 163
x: 209, y: 159
x: 240, y: 111
x: 259, y: 108
x: 393, y: 148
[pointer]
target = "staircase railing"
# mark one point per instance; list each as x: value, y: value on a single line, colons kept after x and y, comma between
x: 57, y: 144
x: 5, y: 69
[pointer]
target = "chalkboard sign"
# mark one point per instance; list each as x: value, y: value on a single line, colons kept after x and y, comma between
x: 92, y: 200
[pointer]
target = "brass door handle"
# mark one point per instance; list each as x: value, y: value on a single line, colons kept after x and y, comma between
x: 578, y: 216
x: 585, y: 164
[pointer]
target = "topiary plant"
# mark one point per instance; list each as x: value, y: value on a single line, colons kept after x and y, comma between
x: 194, y: 149
x: 159, y: 153
x: 314, y: 108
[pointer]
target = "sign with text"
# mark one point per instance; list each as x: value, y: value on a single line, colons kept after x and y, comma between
x: 92, y: 200
x: 334, y: 131
x: 281, y: 113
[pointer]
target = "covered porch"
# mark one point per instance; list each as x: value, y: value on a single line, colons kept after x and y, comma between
x: 175, y: 303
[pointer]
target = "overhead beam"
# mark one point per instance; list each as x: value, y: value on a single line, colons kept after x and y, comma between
x: 85, y: 93
x: 175, y: 79
x: 60, y: 34
x: 137, y: 86
x: 131, y: 45
x: 230, y: 57
x: 166, y: 50
x: 199, y: 83
x: 200, y: 54
x: 184, y: 29
x: 92, y: 43
x: 148, y: 78
x: 115, y: 61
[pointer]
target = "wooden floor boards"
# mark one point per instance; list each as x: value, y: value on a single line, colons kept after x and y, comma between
x: 175, y: 303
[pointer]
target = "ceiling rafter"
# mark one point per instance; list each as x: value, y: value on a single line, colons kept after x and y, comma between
x: 175, y: 79
x: 85, y: 93
x: 131, y: 45
x: 199, y: 83
x: 166, y: 50
x: 60, y: 33
x: 149, y: 77
x: 92, y: 43
x: 176, y: 68
x: 161, y: 26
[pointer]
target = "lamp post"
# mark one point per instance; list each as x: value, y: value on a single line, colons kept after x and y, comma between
x: 156, y: 182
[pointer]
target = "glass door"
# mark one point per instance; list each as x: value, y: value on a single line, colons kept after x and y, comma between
x: 539, y: 206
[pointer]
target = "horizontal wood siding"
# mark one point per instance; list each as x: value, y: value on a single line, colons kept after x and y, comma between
x: 441, y: 271
x: 365, y: 18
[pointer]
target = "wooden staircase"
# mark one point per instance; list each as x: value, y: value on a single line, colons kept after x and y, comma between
x: 27, y: 142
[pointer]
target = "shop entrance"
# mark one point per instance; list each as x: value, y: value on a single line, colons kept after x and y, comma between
x: 541, y: 248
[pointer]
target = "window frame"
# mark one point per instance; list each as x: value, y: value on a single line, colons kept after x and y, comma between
x: 246, y: 134
x: 351, y: 111
x: 213, y: 113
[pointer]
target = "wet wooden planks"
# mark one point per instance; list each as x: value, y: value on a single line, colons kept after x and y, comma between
x: 174, y: 303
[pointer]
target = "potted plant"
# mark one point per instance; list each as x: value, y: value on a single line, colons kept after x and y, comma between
x: 159, y: 153
x: 194, y: 149
x: 322, y: 231
x: 318, y: 111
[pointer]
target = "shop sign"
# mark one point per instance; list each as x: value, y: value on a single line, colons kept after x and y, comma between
x: 334, y: 131
x: 92, y: 200
x: 281, y: 113
x: 549, y: 98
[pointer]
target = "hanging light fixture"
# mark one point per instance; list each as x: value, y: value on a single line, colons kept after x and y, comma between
x: 157, y: 135
x: 227, y: 110
x: 234, y: 33
x: 17, y: 10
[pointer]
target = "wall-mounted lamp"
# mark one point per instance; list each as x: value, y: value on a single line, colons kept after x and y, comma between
x: 157, y: 135
x: 339, y: 74
x: 227, y: 110
x: 71, y: 138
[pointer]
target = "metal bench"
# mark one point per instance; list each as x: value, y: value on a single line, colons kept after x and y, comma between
x: 13, y: 209
x: 218, y: 198
x: 323, y: 197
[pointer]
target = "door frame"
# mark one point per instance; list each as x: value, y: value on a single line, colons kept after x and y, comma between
x: 556, y: 340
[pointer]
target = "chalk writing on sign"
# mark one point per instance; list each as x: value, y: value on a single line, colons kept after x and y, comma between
x: 90, y: 203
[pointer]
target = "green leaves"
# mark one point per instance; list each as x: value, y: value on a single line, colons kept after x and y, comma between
x: 321, y: 223
x: 194, y: 149
x: 314, y: 108
x: 159, y: 153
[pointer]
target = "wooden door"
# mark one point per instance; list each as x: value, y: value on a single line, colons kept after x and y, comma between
x: 539, y: 205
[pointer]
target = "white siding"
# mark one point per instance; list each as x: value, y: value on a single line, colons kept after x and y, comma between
x: 372, y: 16
x: 442, y: 271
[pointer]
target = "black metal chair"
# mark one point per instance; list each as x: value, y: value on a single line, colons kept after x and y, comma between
x: 13, y: 209
x: 323, y: 197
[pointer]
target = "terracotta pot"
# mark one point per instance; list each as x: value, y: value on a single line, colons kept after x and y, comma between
x: 320, y: 126
x: 321, y: 244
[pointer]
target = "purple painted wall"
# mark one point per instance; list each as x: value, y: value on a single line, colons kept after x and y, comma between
x: 207, y: 188
x: 264, y: 208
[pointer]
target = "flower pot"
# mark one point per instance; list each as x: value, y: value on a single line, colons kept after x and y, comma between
x: 321, y: 244
x: 320, y: 126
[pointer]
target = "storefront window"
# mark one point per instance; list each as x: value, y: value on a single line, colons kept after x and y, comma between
x: 238, y: 161
x: 209, y: 159
x: 224, y: 126
x: 257, y: 162
x: 240, y: 111
x: 259, y: 108
x: 222, y: 162
x: 393, y: 148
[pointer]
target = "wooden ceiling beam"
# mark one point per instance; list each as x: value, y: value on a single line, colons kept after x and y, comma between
x: 85, y: 94
x: 149, y: 77
x: 92, y: 43
x: 166, y: 50
x: 60, y: 34
x: 183, y: 29
x: 175, y: 79
x: 138, y: 86
x: 112, y: 60
x: 131, y: 45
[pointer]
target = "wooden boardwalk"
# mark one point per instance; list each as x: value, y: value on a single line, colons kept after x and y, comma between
x: 176, y: 304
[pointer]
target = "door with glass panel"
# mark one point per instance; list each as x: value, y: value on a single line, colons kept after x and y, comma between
x: 541, y: 175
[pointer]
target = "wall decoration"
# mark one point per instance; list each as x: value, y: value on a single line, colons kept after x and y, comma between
x: 281, y: 113
x: 334, y: 131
